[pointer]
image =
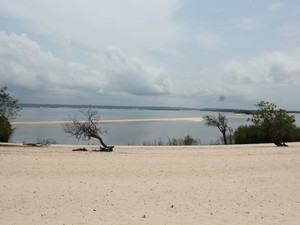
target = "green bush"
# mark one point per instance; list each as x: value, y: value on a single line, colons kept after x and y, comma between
x: 257, y: 134
x: 8, y: 111
x: 188, y: 140
x: 293, y: 134
x: 156, y: 142
x: 249, y: 135
x: 276, y: 123
x: 47, y: 141
x: 6, y: 129
x: 174, y: 141
x: 296, y: 134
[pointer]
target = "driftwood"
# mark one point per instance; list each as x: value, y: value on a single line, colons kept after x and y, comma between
x: 102, y: 149
x: 79, y: 150
x: 35, y: 144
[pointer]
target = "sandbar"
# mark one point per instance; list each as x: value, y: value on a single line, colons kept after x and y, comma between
x: 186, y: 119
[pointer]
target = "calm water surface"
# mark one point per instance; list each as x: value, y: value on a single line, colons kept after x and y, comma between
x: 122, y: 133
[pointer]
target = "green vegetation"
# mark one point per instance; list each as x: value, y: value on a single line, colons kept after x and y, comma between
x: 249, y: 135
x: 8, y: 111
x: 156, y: 142
x: 270, y: 125
x: 47, y: 141
x: 6, y: 129
x: 187, y: 140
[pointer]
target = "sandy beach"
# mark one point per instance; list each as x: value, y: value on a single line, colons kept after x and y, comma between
x: 239, y: 184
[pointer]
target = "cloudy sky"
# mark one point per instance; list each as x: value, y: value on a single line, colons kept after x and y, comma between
x: 190, y: 53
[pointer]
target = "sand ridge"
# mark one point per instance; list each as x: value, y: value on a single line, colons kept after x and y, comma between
x: 238, y: 184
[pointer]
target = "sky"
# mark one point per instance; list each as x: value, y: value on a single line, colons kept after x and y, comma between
x: 186, y: 53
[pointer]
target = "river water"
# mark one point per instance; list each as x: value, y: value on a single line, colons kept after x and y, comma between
x: 125, y: 133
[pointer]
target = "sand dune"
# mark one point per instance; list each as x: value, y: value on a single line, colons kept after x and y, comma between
x: 188, y: 119
x: 240, y: 184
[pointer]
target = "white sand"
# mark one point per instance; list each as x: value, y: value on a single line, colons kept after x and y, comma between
x: 202, y: 185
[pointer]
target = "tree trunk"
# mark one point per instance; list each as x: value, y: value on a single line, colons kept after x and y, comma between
x: 102, y: 143
x: 105, y: 147
x: 279, y: 142
x: 225, y: 138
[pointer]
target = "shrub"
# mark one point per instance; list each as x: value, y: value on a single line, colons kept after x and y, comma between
x: 6, y: 129
x: 8, y: 111
x: 249, y: 135
x: 188, y: 140
x: 173, y: 141
x: 276, y: 123
x: 156, y: 142
x: 47, y: 141
x: 256, y: 134
x: 294, y: 134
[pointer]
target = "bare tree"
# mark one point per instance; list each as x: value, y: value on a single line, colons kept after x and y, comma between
x: 87, y: 128
x: 220, y: 122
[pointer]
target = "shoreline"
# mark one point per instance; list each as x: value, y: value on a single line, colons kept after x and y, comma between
x: 90, y: 147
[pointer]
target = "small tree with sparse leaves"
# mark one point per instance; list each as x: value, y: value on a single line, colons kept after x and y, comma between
x: 220, y: 122
x: 87, y: 127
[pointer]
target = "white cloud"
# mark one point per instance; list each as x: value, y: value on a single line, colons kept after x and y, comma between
x: 274, y: 75
x: 274, y: 68
x: 291, y: 32
x: 276, y: 6
x: 209, y: 41
x: 248, y: 24
x: 131, y: 24
x: 130, y: 75
x: 23, y: 64
x: 160, y: 50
